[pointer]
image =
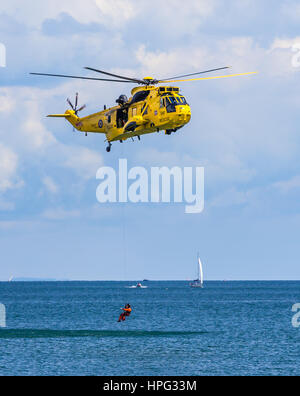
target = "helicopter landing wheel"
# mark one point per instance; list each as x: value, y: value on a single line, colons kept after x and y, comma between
x: 108, y: 148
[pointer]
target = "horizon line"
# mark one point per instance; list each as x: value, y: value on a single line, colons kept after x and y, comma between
x: 21, y: 279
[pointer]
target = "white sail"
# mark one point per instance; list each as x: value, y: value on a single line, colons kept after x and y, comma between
x: 200, y: 274
x: 200, y: 280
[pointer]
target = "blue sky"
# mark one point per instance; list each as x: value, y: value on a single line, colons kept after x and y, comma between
x: 244, y: 131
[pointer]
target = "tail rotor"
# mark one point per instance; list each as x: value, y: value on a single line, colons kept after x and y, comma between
x: 74, y: 107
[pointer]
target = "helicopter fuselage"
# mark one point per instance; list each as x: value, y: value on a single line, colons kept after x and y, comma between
x: 150, y: 109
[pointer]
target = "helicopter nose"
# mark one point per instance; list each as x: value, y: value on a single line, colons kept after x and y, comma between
x: 184, y: 114
x: 184, y: 110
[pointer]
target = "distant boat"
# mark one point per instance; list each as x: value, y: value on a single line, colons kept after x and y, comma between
x: 10, y: 279
x: 198, y: 282
x: 138, y: 286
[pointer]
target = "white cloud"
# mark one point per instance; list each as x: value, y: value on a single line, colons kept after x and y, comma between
x: 286, y: 186
x: 27, y: 130
x: 174, y: 17
x: 92, y: 11
x: 8, y: 168
x: 117, y: 12
x: 82, y: 160
x: 44, y: 10
x: 50, y: 185
x: 243, y: 54
x: 285, y: 43
x: 31, y: 139
x: 110, y: 13
x: 7, y: 103
x: 35, y: 134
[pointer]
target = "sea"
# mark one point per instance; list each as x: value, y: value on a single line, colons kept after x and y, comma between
x: 224, y: 329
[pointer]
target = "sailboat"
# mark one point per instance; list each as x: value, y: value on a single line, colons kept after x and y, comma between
x: 198, y: 282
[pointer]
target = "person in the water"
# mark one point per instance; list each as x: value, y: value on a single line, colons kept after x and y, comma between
x: 127, y: 312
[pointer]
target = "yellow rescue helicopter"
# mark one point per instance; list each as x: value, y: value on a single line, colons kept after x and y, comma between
x: 150, y: 108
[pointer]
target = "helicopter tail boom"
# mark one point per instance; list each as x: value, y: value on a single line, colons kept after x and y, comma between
x: 71, y: 117
x: 59, y: 115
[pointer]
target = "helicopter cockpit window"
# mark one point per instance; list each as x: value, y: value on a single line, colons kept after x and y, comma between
x: 162, y: 103
x: 109, y: 119
x: 171, y: 104
x: 182, y: 100
x: 139, y: 96
x: 172, y: 99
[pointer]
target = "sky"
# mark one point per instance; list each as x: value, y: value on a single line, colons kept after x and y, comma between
x: 244, y: 132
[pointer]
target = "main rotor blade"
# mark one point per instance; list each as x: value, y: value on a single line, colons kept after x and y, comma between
x: 194, y: 74
x: 207, y: 78
x: 78, y: 77
x: 116, y: 75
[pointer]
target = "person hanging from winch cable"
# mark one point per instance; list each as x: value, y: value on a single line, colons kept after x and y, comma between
x: 127, y: 312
